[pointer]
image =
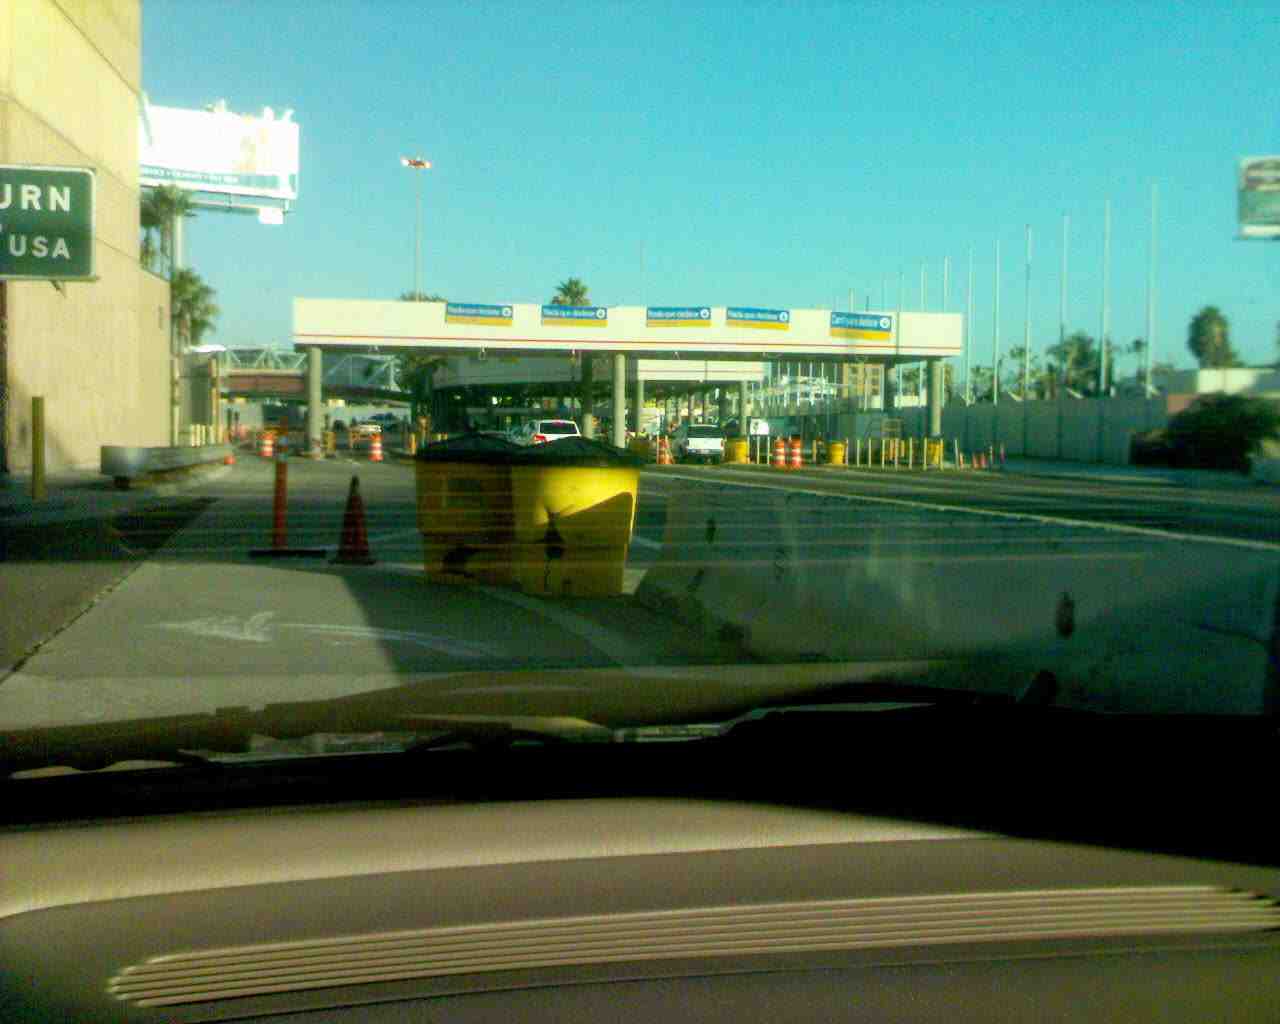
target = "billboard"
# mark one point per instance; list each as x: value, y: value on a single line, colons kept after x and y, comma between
x: 219, y: 151
x: 1259, y: 197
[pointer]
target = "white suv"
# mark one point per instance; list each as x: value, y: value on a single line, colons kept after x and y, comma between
x: 542, y: 431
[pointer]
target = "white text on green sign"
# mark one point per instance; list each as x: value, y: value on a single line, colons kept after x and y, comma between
x: 46, y: 222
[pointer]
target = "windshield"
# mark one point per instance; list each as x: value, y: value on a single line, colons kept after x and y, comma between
x: 994, y: 367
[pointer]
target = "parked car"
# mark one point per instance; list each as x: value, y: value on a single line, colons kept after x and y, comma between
x: 542, y: 431
x: 365, y: 428
x: 700, y: 442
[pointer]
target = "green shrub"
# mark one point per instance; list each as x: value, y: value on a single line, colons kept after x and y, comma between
x: 1221, y: 431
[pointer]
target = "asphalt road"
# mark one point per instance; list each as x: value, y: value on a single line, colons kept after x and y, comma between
x: 1243, y: 511
x: 190, y: 622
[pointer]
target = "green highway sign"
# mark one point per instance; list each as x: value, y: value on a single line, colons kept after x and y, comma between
x: 46, y: 222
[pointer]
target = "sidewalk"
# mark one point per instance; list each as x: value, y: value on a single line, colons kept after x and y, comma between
x: 73, y: 496
x: 1148, y: 475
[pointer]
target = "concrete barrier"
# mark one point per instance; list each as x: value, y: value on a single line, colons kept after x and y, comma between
x: 126, y: 464
x: 1156, y: 626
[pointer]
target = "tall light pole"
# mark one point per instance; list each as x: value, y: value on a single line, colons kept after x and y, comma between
x: 1106, y: 299
x: 1151, y: 303
x: 417, y: 163
x: 995, y: 334
x: 968, y: 331
x: 1026, y: 324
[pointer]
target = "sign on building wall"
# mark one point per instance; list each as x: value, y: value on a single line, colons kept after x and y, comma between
x: 1259, y: 197
x: 677, y: 316
x: 219, y: 151
x: 863, y: 326
x: 476, y: 313
x: 575, y: 316
x: 46, y: 222
x: 765, y: 319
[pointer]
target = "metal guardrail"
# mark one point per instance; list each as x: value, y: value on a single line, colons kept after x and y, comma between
x: 124, y: 464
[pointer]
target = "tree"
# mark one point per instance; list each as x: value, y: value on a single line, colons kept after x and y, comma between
x: 151, y: 223
x: 1209, y: 339
x: 1011, y: 370
x: 159, y: 208
x: 192, y: 307
x: 1075, y: 363
x: 571, y: 292
x: 415, y: 370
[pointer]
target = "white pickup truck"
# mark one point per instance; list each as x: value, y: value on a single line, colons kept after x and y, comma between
x: 702, y: 442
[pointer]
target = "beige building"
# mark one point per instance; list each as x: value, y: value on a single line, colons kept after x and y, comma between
x: 70, y: 82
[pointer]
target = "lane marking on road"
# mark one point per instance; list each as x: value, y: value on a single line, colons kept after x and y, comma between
x: 734, y: 480
x: 259, y: 629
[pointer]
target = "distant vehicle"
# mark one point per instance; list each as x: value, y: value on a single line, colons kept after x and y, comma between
x: 366, y: 428
x: 386, y: 419
x: 698, y: 442
x: 542, y: 431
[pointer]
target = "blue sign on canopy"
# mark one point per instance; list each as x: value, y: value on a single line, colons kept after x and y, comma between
x: 474, y: 313
x: 677, y: 316
x: 750, y: 316
x: 863, y: 326
x: 576, y: 316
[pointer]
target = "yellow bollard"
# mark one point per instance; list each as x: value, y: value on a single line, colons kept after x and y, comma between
x: 911, y: 453
x: 38, y: 492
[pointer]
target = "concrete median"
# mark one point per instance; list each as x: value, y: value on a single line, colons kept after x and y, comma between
x: 1160, y: 625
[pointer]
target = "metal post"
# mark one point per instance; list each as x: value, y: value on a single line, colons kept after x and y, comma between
x: 417, y: 247
x: 743, y: 412
x: 279, y: 539
x: 637, y: 401
x: 315, y: 416
x: 586, y: 420
x: 619, y: 400
x: 38, y: 492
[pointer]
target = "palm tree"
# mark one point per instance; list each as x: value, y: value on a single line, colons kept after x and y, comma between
x: 192, y: 307
x: 571, y: 292
x: 159, y: 208
x: 152, y: 222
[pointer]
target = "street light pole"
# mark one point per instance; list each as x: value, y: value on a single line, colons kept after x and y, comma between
x: 417, y: 163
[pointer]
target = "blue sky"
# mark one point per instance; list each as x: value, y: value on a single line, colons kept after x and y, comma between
x: 744, y: 153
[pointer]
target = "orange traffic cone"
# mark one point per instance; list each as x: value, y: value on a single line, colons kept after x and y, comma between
x: 354, y: 547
